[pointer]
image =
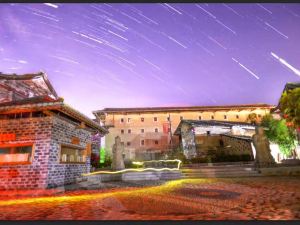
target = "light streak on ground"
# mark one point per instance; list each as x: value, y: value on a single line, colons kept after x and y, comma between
x: 51, y: 5
x: 276, y: 30
x: 244, y: 67
x: 173, y: 8
x: 282, y: 61
x: 139, y: 170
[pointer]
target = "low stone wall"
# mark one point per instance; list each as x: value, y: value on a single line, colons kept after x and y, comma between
x: 281, y: 171
x: 136, y: 176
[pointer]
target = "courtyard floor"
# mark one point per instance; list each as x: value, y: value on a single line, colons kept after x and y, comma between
x: 257, y: 198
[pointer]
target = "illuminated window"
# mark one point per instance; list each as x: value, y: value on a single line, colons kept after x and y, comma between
x: 142, y: 142
x: 122, y: 120
x: 155, y: 119
x: 237, y: 116
x: 129, y: 131
x: 142, y: 119
x: 156, y: 130
x: 16, y: 153
x: 72, y: 155
x: 225, y: 117
x: 212, y: 117
x: 142, y: 130
x: 128, y: 143
x: 156, y: 142
x: 122, y: 131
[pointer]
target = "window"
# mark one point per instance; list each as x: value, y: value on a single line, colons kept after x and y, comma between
x: 181, y: 118
x: 128, y: 143
x: 122, y: 131
x: 71, y: 155
x: 16, y: 153
x: 142, y: 130
x: 155, y: 119
x: 225, y: 117
x: 200, y: 117
x: 212, y: 117
x: 129, y: 131
x: 168, y: 118
x: 142, y: 119
x: 142, y: 142
x: 156, y: 142
x: 156, y: 130
x: 258, y: 115
x: 128, y: 120
x: 237, y: 116
x: 208, y: 132
x: 122, y: 120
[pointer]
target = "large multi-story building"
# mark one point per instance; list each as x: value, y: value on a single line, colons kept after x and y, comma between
x: 149, y: 130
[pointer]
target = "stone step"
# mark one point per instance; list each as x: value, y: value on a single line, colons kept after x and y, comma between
x: 219, y: 169
x: 223, y: 175
x: 200, y: 174
x: 216, y: 166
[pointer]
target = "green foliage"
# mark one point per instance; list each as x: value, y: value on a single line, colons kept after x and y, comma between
x: 177, y: 153
x: 279, y: 133
x: 290, y: 106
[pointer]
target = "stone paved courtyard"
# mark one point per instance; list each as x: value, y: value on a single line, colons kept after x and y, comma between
x: 259, y: 198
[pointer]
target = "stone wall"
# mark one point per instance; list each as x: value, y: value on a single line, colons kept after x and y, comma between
x: 238, y: 146
x: 31, y: 175
x: 45, y: 170
x: 66, y: 173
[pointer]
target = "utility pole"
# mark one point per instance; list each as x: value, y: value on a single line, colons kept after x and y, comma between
x: 171, y: 142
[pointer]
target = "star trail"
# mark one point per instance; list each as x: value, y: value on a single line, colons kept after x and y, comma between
x: 154, y: 54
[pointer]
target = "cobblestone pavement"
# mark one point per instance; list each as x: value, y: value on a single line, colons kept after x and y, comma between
x: 260, y: 198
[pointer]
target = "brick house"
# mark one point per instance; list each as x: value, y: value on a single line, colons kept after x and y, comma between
x: 44, y: 142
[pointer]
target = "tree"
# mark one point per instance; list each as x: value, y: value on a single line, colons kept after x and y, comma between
x: 252, y: 118
x: 279, y: 133
x: 290, y: 106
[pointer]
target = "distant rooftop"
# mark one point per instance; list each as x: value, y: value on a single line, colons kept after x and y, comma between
x: 182, y: 108
x: 196, y: 123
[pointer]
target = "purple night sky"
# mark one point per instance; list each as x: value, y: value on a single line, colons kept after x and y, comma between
x: 138, y: 55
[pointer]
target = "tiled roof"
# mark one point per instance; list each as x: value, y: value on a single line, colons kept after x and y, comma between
x: 17, y: 87
x: 180, y: 108
x: 55, y: 105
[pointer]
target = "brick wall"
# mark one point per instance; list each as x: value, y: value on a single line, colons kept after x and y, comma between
x: 37, y: 130
x: 61, y: 173
x: 238, y: 146
x: 45, y: 170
